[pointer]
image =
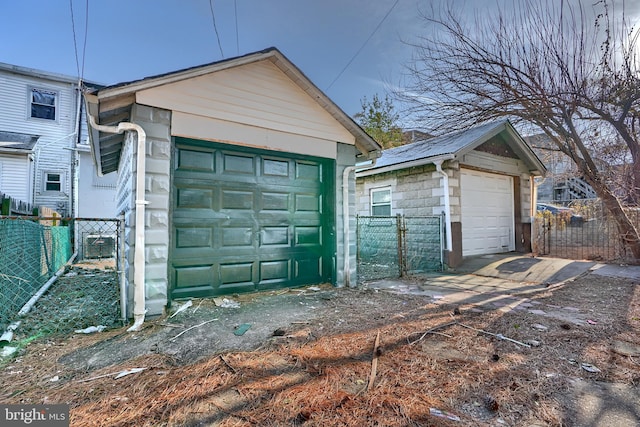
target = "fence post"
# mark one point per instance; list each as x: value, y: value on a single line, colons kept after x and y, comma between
x: 401, y: 238
x: 6, y: 206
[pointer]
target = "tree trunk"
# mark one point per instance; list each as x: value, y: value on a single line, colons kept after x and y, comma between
x: 629, y: 236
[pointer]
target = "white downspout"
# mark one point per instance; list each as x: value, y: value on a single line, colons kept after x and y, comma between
x: 139, y: 309
x: 447, y: 204
x: 345, y: 220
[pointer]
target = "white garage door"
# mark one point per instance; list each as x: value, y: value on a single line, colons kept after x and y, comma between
x: 487, y: 213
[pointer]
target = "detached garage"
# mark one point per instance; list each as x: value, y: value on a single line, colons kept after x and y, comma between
x: 231, y: 179
x: 481, y: 179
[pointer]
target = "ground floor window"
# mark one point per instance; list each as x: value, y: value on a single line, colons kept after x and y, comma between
x: 381, y: 201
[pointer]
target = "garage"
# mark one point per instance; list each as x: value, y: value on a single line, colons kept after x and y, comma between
x: 487, y: 207
x: 247, y: 219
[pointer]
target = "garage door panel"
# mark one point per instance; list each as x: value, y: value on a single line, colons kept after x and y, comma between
x: 487, y: 213
x: 271, y: 201
x: 194, y: 275
x: 238, y: 164
x: 275, y: 271
x: 246, y: 221
x: 195, y: 161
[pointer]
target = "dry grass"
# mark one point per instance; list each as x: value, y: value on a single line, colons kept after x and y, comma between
x: 318, y: 377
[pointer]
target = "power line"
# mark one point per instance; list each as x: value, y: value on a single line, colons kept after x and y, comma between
x: 75, y: 43
x: 235, y: 10
x: 80, y: 71
x: 363, y: 45
x: 86, y: 31
x: 215, y: 27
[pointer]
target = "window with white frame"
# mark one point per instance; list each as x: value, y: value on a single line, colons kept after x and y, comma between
x: 43, y: 103
x: 53, y: 181
x: 381, y: 201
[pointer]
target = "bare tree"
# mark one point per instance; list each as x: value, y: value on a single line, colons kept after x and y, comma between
x: 546, y: 63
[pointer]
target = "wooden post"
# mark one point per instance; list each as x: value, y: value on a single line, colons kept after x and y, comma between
x: 6, y: 206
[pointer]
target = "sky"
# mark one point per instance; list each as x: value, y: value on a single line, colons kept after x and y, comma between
x: 132, y: 39
x: 350, y: 49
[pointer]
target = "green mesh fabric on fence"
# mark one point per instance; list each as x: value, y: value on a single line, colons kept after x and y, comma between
x: 422, y: 244
x: 397, y: 245
x: 378, y: 247
x: 30, y: 253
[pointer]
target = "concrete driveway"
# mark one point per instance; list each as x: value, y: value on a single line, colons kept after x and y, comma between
x: 501, y: 281
x: 510, y: 282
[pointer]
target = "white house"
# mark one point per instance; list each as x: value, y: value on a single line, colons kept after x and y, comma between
x: 44, y: 156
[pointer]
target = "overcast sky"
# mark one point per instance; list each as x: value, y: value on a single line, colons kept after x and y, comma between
x: 132, y: 39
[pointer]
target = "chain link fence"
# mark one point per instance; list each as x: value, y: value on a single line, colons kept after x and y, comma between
x: 33, y: 252
x: 394, y: 246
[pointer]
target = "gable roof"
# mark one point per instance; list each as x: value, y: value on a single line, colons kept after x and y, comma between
x: 14, y: 142
x: 112, y: 104
x: 452, y: 147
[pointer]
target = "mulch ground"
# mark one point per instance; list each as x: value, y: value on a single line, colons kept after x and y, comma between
x: 436, y: 364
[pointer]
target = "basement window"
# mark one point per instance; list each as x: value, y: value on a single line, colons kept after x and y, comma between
x: 381, y: 201
x: 43, y: 104
x: 53, y: 181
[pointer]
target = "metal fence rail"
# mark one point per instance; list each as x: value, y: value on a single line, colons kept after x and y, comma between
x: 33, y: 249
x: 393, y: 246
x: 594, y: 237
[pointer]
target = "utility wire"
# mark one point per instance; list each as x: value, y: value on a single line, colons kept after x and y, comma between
x: 235, y: 10
x: 79, y: 70
x: 363, y: 45
x: 86, y: 31
x: 75, y: 43
x: 215, y: 27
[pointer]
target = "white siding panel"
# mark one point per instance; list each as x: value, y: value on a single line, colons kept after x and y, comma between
x: 257, y: 94
x: 208, y: 129
x: 14, y: 177
x: 56, y: 136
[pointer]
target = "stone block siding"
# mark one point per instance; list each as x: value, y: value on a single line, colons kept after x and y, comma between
x: 157, y: 126
x: 414, y: 191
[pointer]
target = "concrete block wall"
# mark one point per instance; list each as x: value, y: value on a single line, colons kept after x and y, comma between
x: 157, y: 125
x: 414, y: 191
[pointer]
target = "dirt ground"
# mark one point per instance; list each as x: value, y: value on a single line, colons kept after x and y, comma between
x: 314, y: 361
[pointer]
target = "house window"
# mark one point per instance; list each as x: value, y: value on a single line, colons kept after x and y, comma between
x: 53, y: 181
x: 43, y: 104
x: 381, y: 201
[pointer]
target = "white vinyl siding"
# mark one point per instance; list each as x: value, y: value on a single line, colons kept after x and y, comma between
x: 258, y: 95
x: 15, y: 177
x: 56, y: 137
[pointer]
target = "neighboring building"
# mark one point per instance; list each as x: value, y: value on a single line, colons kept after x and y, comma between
x: 481, y: 179
x: 39, y: 128
x: 245, y: 164
x: 562, y: 182
x: 16, y: 165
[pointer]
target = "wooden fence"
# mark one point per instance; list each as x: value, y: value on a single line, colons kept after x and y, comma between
x: 12, y: 206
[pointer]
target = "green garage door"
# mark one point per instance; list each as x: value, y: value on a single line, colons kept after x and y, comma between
x: 246, y: 220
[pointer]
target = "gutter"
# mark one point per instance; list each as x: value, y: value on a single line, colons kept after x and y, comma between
x: 139, y: 309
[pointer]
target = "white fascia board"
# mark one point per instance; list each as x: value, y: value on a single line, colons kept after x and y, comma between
x: 404, y: 165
